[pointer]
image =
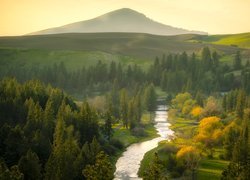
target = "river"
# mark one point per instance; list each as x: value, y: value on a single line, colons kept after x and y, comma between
x: 128, y: 164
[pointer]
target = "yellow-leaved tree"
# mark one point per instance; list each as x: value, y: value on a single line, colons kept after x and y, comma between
x: 190, y: 157
x: 196, y: 111
x: 209, y: 132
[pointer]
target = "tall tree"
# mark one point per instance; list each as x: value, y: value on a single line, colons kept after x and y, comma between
x: 124, y: 107
x: 237, y: 61
x: 150, y: 98
x: 154, y: 171
x: 30, y: 166
x: 107, y: 129
x: 102, y: 169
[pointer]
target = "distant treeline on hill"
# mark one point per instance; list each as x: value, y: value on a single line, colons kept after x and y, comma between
x: 173, y: 72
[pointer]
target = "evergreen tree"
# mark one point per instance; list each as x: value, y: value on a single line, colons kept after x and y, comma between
x: 150, y: 98
x: 154, y: 171
x: 101, y: 170
x: 124, y: 107
x: 237, y: 61
x: 108, y: 131
x: 29, y: 165
x: 206, y: 58
x: 240, y: 103
x: 49, y: 119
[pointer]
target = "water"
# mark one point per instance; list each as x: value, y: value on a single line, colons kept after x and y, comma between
x: 128, y: 164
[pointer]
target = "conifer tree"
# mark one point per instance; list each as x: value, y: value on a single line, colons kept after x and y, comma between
x: 124, y: 107
x: 30, y: 166
x: 101, y: 170
x: 154, y: 171
x: 237, y: 61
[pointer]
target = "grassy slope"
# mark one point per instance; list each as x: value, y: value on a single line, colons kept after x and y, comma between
x: 241, y: 40
x: 137, y: 45
x: 211, y: 169
x: 125, y: 136
x: 72, y: 59
x: 78, y: 49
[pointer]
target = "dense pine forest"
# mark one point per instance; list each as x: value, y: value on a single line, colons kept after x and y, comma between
x: 47, y: 132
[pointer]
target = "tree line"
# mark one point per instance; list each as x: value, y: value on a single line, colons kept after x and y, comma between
x: 173, y: 73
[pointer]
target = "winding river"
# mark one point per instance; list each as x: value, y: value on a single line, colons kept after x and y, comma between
x: 128, y: 164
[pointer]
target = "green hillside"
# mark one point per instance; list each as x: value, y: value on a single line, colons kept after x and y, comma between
x: 137, y: 45
x: 80, y: 49
x: 240, y: 40
x: 72, y: 59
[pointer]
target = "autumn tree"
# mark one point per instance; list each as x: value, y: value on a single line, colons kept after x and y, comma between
x: 209, y: 132
x: 212, y: 107
x: 190, y: 157
x: 196, y: 111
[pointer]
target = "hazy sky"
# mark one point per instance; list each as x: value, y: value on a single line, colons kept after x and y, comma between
x: 18, y: 17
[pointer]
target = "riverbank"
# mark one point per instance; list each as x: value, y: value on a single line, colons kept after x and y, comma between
x: 185, y: 127
x: 128, y: 164
x: 127, y: 138
x: 208, y: 168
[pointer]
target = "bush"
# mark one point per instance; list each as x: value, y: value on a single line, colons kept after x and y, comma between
x: 116, y: 143
x: 138, y: 131
x: 109, y: 149
x: 168, y: 148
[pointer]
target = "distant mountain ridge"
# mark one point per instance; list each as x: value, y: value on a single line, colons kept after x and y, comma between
x: 121, y: 20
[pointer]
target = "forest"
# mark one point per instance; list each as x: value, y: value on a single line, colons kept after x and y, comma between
x: 47, y: 132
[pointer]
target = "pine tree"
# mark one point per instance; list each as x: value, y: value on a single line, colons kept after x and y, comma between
x: 101, y: 170
x: 154, y: 171
x: 108, y: 131
x: 29, y: 165
x: 49, y: 119
x: 240, y: 103
x: 206, y: 58
x: 124, y: 107
x: 150, y: 98
x: 237, y: 61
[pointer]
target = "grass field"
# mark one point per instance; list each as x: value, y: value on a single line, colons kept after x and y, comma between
x: 72, y: 59
x: 82, y: 49
x: 211, y: 169
x: 126, y: 137
x: 241, y: 40
x: 136, y: 45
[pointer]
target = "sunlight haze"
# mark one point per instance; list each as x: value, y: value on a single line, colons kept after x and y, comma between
x: 212, y: 16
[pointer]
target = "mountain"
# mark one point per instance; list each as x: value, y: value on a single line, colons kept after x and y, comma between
x: 122, y: 20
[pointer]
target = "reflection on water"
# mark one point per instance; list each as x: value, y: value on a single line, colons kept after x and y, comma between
x: 128, y: 164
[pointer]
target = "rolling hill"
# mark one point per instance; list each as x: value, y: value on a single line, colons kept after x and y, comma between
x: 121, y: 20
x: 240, y: 40
x: 137, y: 45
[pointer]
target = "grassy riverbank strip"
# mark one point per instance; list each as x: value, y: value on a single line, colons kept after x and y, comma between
x: 127, y: 137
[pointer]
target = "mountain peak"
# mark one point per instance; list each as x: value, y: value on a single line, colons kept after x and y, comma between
x: 120, y: 20
x: 124, y: 13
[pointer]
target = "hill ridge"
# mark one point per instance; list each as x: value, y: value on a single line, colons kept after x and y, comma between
x: 121, y: 20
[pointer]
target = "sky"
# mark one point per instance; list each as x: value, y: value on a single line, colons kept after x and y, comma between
x: 19, y: 17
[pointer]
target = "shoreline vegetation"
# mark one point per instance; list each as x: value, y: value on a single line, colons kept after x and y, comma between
x: 208, y: 138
